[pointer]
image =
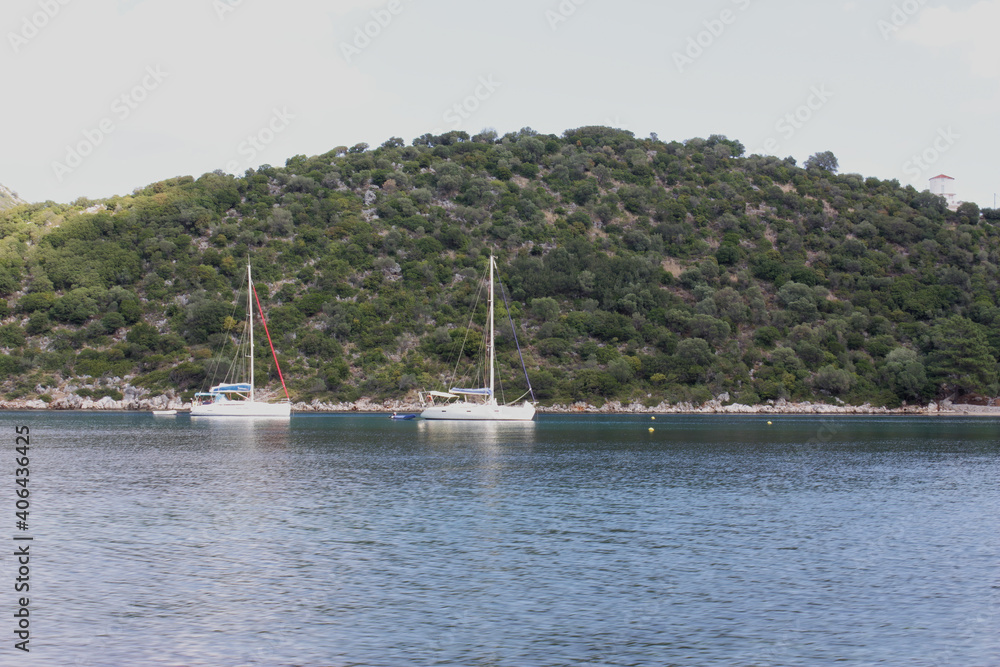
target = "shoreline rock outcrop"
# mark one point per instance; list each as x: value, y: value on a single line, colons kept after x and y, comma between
x: 137, y: 400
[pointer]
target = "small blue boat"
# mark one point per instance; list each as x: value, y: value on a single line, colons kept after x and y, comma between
x: 395, y: 416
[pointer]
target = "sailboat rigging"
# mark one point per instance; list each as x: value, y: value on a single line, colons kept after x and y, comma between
x: 488, y: 408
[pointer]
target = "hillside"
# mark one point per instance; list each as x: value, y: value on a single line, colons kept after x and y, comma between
x: 639, y: 270
x: 8, y: 198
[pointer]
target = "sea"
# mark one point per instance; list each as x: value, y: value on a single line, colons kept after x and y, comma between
x: 332, y: 540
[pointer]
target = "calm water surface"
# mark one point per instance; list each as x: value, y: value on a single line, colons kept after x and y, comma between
x: 357, y: 540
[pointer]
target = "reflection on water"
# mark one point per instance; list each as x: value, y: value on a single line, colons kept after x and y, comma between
x: 355, y: 539
x: 484, y: 433
x: 489, y: 446
x: 243, y: 431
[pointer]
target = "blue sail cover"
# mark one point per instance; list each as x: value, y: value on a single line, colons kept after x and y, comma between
x: 230, y: 387
x: 476, y: 392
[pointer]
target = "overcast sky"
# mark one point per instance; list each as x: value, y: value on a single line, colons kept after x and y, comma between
x: 103, y: 96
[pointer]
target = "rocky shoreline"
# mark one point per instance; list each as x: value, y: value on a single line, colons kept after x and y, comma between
x: 134, y: 402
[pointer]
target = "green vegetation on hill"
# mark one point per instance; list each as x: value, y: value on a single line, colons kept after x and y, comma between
x: 638, y: 270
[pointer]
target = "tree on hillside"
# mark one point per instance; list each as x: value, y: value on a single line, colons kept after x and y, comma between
x: 960, y: 359
x: 905, y: 373
x: 968, y: 213
x: 833, y: 380
x: 826, y: 161
x: 800, y: 299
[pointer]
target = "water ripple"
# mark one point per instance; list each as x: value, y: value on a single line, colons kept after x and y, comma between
x: 354, y: 540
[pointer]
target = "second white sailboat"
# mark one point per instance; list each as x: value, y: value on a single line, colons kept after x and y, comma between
x: 463, y: 404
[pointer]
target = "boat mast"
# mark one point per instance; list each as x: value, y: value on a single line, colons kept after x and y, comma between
x: 491, y: 350
x: 250, y: 321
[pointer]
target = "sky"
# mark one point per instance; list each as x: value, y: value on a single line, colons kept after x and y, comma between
x: 101, y: 97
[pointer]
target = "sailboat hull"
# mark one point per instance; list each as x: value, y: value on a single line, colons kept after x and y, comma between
x: 480, y: 412
x: 243, y: 409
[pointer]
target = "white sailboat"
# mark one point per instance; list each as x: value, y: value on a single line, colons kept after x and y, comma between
x: 238, y: 399
x: 487, y: 408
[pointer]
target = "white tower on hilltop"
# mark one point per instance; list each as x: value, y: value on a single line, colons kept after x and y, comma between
x: 944, y: 186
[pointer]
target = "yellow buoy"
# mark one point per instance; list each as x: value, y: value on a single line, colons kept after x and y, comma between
x: 650, y: 429
x: 653, y: 418
x: 769, y: 423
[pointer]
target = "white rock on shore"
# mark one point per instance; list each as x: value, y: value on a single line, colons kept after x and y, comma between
x: 133, y: 399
